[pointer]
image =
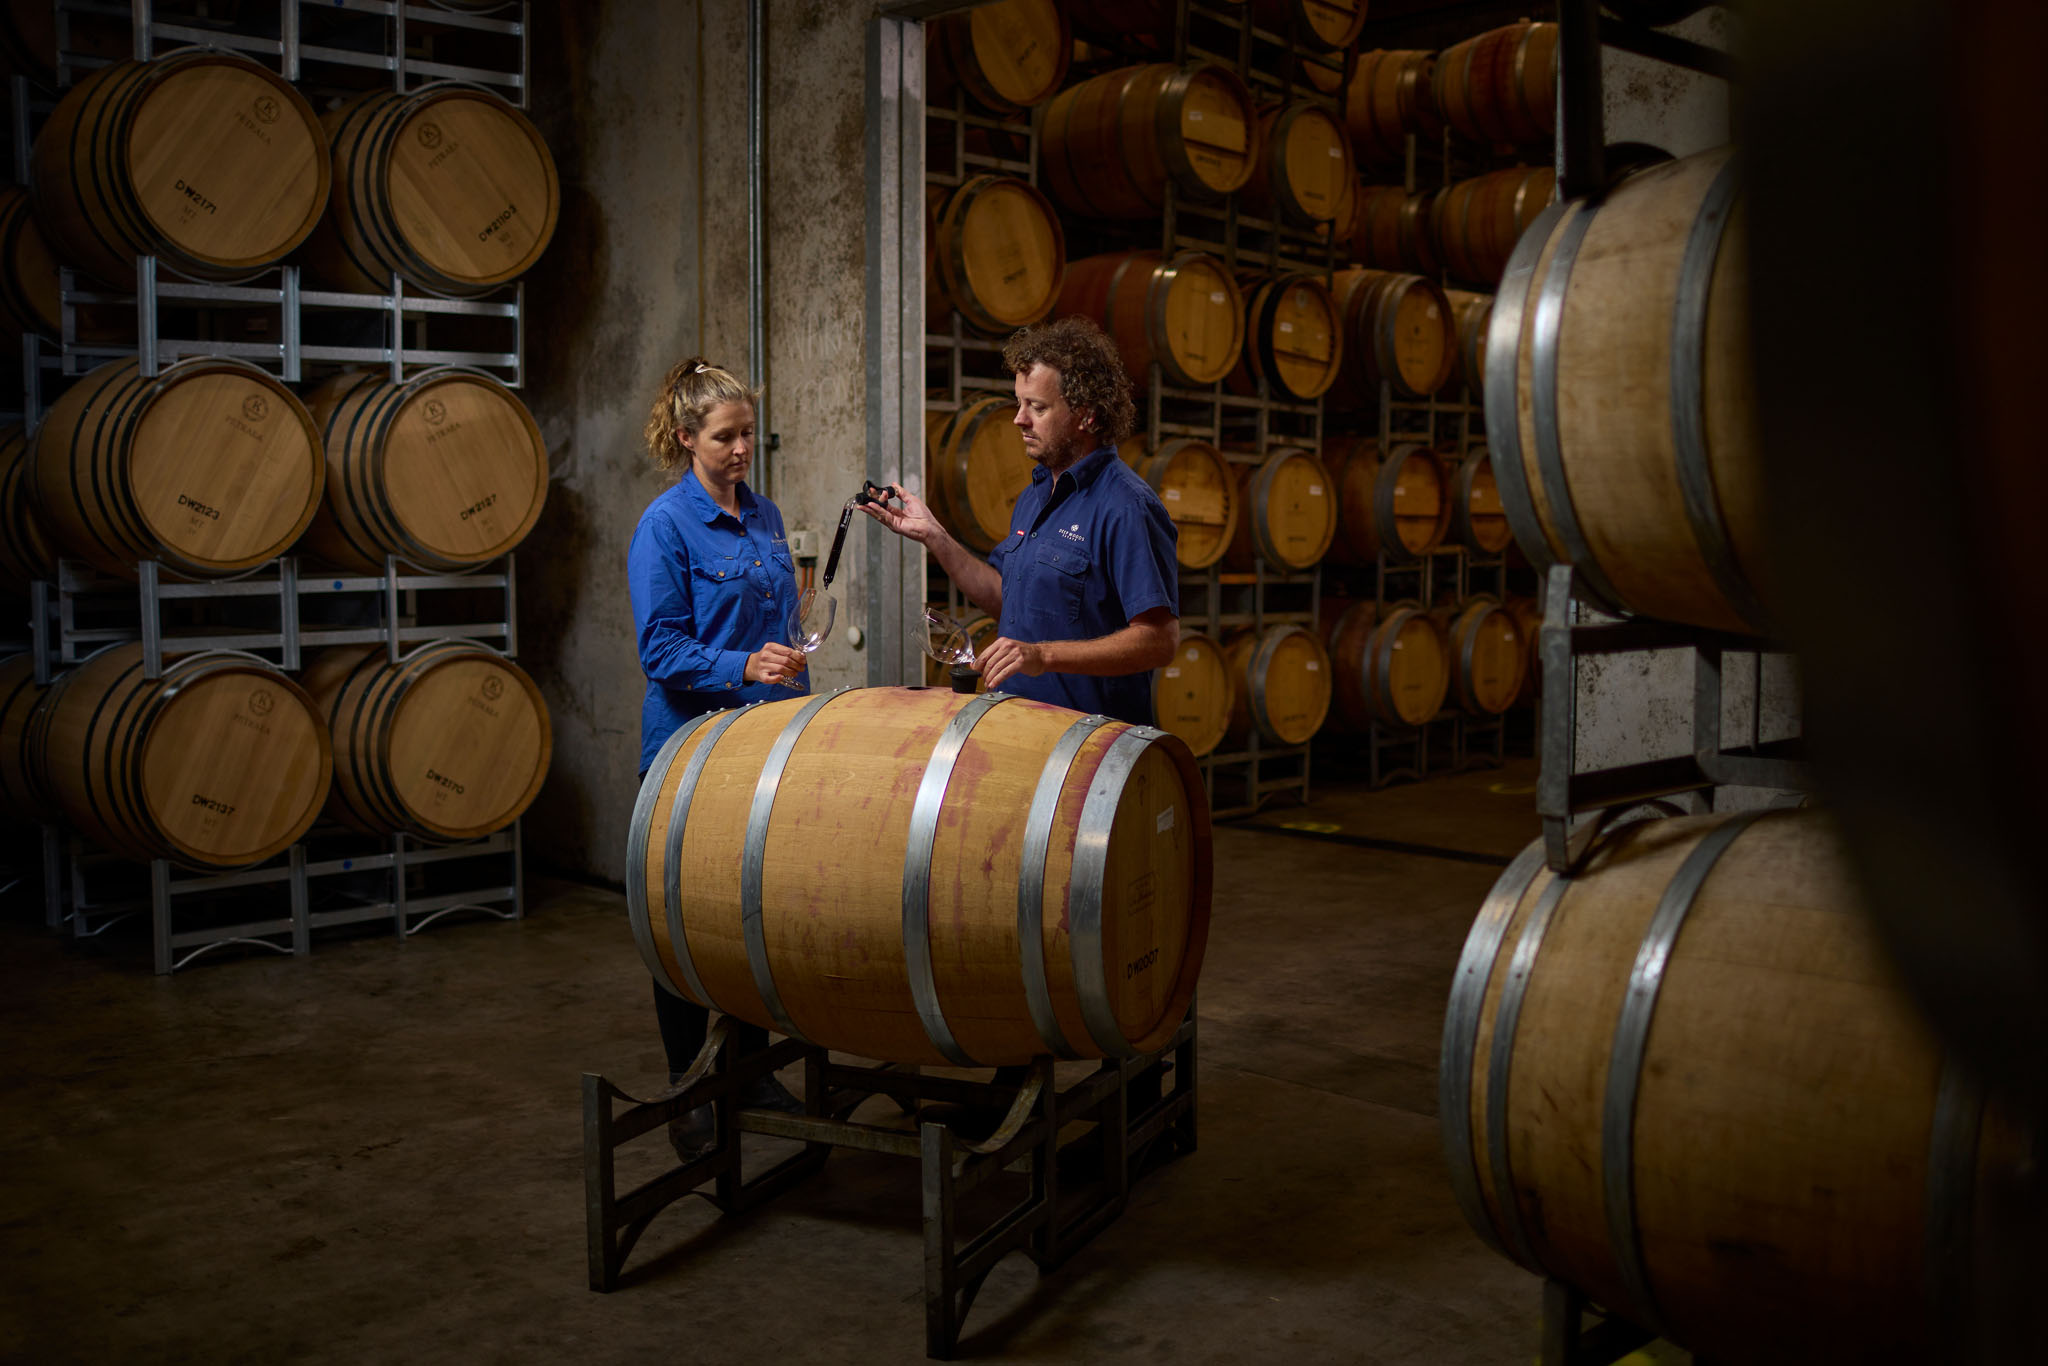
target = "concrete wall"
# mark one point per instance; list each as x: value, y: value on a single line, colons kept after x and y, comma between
x: 1633, y: 707
x: 645, y: 108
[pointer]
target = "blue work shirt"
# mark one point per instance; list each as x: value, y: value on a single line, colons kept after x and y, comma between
x: 1086, y: 552
x: 708, y: 590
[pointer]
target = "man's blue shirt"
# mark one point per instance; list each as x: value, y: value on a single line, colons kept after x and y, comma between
x: 1086, y: 552
x: 708, y: 590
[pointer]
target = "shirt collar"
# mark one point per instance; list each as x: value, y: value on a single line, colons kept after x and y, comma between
x: 1084, y: 470
x: 703, y: 507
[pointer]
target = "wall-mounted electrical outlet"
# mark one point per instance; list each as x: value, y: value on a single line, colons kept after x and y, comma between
x: 803, y: 543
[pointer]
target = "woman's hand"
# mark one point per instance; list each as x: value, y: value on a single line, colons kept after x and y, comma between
x: 914, y: 520
x: 774, y: 663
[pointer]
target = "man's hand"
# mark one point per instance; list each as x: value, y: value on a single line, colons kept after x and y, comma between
x: 774, y: 663
x: 1006, y: 657
x: 913, y: 521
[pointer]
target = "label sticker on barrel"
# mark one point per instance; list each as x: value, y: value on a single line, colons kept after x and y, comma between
x: 1173, y: 671
x: 1312, y: 665
x: 1166, y: 820
x: 1215, y: 296
x: 1336, y: 153
x: 1315, y: 490
x: 1173, y: 495
x: 1286, y: 327
x: 1194, y: 653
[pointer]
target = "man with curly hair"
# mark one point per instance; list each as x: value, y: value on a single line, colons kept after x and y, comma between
x: 1084, y: 590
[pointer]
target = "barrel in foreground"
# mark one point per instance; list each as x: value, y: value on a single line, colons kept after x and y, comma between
x: 927, y: 876
x: 1684, y: 1080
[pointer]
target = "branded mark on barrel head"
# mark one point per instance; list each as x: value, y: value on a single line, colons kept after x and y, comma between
x: 429, y: 135
x: 435, y: 411
x: 493, y: 687
x: 261, y: 702
x: 266, y: 108
x: 255, y: 407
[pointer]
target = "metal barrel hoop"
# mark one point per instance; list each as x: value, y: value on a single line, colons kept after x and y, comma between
x: 1461, y: 1036
x: 1625, y: 1063
x: 1503, y: 388
x: 1500, y: 1069
x: 1545, y: 342
x: 1045, y: 800
x: 1084, y: 905
x: 917, y: 874
x: 754, y: 854
x: 1688, y: 396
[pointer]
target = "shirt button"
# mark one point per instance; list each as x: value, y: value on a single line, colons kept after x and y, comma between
x: 721, y: 573
x: 757, y: 564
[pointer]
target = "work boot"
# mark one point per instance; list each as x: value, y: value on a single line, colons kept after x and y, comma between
x: 769, y: 1093
x: 693, y: 1134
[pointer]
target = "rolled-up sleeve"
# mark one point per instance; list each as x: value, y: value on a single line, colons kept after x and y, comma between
x: 672, y: 650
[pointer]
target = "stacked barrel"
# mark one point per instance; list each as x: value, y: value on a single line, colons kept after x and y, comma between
x: 1084, y: 177
x: 211, y: 467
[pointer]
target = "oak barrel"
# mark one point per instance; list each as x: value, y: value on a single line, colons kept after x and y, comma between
x: 1394, y: 230
x: 1198, y: 488
x: 1470, y: 314
x: 920, y: 876
x: 1399, y: 506
x: 1192, y: 696
x: 1686, y: 1081
x: 1500, y: 87
x: 211, y: 467
x: 1638, y: 462
x: 1476, y: 517
x: 1184, y: 312
x: 1303, y: 167
x: 452, y: 742
x: 221, y: 762
x: 23, y: 796
x: 1397, y: 328
x: 1006, y: 57
x: 30, y: 298
x: 1290, y: 512
x: 213, y: 164
x: 1280, y: 684
x: 1330, y: 25
x: 1293, y: 335
x: 1388, y: 98
x: 1488, y: 655
x: 1388, y: 664
x: 1000, y: 253
x: 448, y: 186
x: 1477, y: 222
x: 977, y: 468
x: 25, y: 550
x: 445, y: 470
x: 1110, y: 144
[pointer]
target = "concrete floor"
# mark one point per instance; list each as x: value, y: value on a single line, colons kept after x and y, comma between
x: 373, y: 1153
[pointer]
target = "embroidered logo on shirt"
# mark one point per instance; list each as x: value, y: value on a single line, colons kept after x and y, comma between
x: 1071, y: 533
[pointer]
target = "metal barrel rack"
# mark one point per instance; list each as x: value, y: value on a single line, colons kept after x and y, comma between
x: 1136, y: 1118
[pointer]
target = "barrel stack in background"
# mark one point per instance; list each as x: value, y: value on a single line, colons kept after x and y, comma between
x: 1272, y: 246
x: 213, y: 167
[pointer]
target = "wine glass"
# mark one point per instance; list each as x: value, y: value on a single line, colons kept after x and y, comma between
x: 809, y: 622
x: 946, y: 638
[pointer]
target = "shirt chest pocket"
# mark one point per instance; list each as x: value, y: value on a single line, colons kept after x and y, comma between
x: 717, y: 586
x: 1059, y: 584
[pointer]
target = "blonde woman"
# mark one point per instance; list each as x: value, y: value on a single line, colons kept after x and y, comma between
x: 713, y: 586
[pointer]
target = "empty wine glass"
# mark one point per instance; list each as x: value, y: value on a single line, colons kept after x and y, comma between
x: 946, y: 638
x: 810, y: 621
